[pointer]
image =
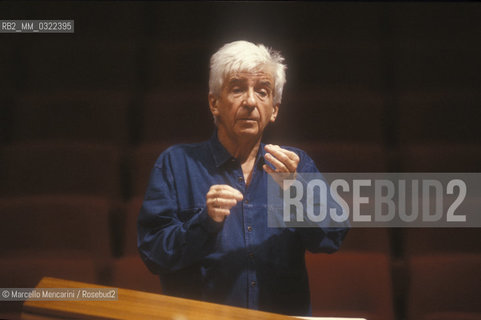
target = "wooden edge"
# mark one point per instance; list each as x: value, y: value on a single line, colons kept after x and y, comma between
x: 133, y: 304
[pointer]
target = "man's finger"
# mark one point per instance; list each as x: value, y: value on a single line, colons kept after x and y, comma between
x: 224, y: 187
x: 281, y: 162
x: 218, y: 202
x: 292, y: 155
x: 220, y: 212
x: 225, y: 191
x: 280, y: 166
x: 268, y: 169
x: 227, y: 194
x: 288, y: 158
x: 282, y: 153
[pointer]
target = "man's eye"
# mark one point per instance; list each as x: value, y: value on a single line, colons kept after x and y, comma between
x: 236, y: 90
x: 262, y: 93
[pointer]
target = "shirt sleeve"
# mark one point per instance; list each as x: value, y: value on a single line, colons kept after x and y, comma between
x: 165, y: 241
x: 320, y: 239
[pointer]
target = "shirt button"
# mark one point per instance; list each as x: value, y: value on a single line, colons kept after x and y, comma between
x: 253, y: 283
x: 240, y: 179
x: 249, y: 228
x: 246, y: 201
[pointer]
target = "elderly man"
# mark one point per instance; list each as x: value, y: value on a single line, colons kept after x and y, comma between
x: 203, y: 224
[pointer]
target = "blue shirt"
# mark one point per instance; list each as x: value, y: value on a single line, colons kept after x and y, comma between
x: 239, y: 262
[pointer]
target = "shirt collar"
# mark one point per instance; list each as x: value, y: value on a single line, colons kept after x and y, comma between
x: 221, y: 155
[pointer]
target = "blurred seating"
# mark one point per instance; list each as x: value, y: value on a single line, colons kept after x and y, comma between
x: 357, y: 58
x: 72, y: 116
x: 67, y: 237
x: 433, y: 115
x: 367, y: 240
x: 69, y: 225
x: 346, y: 157
x: 6, y: 56
x: 330, y: 115
x: 75, y: 63
x: 423, y: 243
x: 129, y: 271
x: 141, y: 163
x: 440, y: 157
x: 445, y: 283
x: 453, y: 315
x: 6, y: 109
x: 177, y: 115
x: 419, y: 38
x: 435, y: 241
x: 128, y: 226
x: 60, y: 168
x: 26, y: 271
x: 182, y: 61
x: 350, y: 285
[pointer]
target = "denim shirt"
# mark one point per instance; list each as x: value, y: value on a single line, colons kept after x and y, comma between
x: 241, y: 261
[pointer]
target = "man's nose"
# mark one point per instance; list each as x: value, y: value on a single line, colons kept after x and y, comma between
x: 250, y: 99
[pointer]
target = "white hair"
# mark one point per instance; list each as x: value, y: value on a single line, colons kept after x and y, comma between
x: 241, y: 56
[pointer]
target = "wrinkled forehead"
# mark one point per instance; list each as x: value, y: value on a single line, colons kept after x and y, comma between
x: 262, y: 75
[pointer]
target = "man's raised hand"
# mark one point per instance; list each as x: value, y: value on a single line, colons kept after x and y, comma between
x: 284, y: 161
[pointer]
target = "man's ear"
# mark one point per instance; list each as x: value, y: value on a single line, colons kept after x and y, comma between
x: 213, y: 104
x: 275, y: 110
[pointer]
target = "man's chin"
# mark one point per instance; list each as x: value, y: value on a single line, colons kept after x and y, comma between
x: 249, y: 132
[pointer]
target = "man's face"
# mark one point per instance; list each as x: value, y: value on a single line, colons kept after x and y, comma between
x: 245, y: 105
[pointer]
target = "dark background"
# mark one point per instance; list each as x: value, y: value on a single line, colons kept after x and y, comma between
x: 370, y: 87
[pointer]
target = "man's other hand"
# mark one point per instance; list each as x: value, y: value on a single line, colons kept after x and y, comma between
x: 220, y: 199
